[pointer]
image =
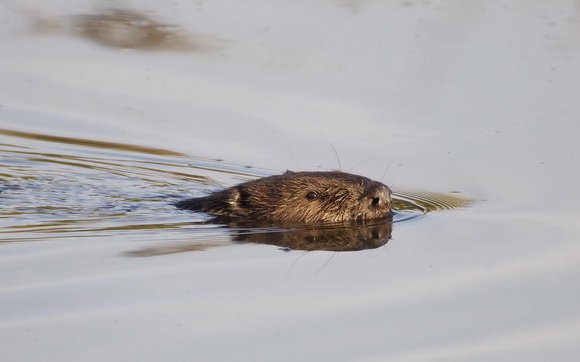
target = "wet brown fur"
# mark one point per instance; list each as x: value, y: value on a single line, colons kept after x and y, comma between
x: 299, y: 197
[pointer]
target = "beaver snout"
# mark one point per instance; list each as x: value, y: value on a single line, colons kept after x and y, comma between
x: 378, y: 196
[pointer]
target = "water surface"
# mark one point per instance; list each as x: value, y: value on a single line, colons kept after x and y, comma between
x: 99, y: 138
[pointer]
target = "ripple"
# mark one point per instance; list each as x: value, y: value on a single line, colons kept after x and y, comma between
x: 63, y: 187
x: 428, y: 201
x: 97, y: 187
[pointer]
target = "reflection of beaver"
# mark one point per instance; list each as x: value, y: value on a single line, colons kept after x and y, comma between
x: 299, y: 197
x: 366, y: 235
x: 331, y: 237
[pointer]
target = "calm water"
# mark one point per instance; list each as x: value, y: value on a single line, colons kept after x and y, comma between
x: 108, y: 117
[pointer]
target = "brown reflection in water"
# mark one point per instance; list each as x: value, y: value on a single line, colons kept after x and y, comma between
x: 120, y: 28
x: 90, y: 143
x: 175, y: 249
x: 335, y: 237
x: 347, y: 237
x: 123, y: 28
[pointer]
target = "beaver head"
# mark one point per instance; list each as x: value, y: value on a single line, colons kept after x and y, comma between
x: 299, y: 197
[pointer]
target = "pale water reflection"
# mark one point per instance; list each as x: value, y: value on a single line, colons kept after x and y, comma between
x: 104, y: 127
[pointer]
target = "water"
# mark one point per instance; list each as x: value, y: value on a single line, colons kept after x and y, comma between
x: 459, y: 101
x: 62, y: 187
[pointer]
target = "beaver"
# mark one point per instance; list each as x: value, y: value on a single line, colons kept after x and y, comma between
x: 299, y: 197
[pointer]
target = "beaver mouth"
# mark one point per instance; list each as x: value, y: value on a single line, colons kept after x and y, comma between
x: 385, y: 215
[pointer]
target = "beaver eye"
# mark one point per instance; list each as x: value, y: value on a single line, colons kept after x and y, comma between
x: 311, y: 195
x: 376, y: 201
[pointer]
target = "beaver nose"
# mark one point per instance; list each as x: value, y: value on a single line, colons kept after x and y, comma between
x: 379, y: 194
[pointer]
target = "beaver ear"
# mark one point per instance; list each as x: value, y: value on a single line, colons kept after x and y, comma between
x: 288, y: 172
x: 239, y: 199
x: 234, y: 197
